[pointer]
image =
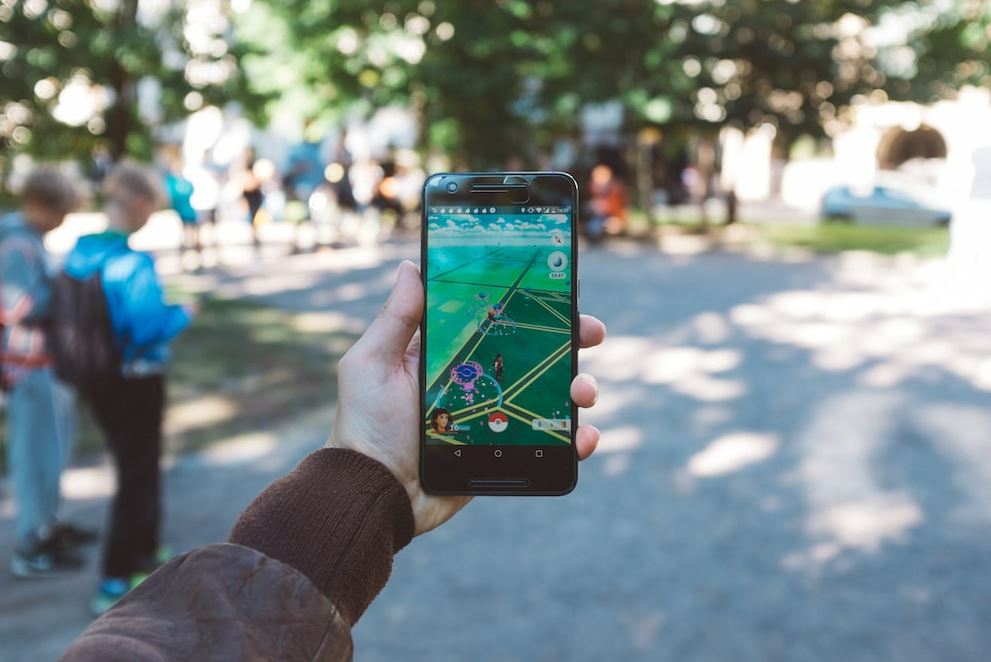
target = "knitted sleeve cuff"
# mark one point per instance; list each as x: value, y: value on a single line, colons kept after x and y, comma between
x: 338, y: 518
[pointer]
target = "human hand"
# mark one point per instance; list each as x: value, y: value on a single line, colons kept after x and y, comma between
x: 378, y: 406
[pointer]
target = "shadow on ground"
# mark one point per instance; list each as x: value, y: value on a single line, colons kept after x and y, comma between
x: 795, y: 466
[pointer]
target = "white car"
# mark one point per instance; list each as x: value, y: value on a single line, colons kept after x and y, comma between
x: 880, y: 205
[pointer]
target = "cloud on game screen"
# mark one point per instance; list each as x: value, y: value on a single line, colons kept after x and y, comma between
x: 531, y: 226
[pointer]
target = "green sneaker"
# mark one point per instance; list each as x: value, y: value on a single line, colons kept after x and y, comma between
x: 151, y: 564
x: 112, y: 589
x: 163, y: 555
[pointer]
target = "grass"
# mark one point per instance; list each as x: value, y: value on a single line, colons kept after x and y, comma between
x: 824, y: 237
x: 834, y: 238
x: 240, y: 367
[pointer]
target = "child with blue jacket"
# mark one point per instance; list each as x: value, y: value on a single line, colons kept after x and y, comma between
x: 129, y: 409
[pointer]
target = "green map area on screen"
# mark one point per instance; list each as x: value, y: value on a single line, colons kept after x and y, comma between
x: 498, y: 321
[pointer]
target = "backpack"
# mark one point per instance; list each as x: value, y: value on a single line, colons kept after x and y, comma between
x: 82, y: 337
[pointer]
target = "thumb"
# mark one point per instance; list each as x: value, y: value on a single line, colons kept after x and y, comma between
x: 389, y: 335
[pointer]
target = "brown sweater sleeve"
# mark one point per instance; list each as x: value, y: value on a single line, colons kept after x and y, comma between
x: 338, y: 518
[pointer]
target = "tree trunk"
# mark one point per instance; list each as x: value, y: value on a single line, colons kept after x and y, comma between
x: 645, y: 185
x: 730, y: 207
x: 706, y: 164
x: 120, y: 122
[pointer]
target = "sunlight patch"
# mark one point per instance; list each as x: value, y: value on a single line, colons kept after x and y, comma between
x: 732, y: 452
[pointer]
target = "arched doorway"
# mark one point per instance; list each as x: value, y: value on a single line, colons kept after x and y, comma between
x: 898, y: 146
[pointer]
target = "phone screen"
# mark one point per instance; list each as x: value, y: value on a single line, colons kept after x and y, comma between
x: 498, y: 325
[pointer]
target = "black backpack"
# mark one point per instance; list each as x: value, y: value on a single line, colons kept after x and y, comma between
x: 82, y: 337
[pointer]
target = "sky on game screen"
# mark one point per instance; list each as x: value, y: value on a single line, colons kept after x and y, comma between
x: 498, y: 342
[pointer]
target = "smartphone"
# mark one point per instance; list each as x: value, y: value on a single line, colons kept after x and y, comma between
x: 499, y: 334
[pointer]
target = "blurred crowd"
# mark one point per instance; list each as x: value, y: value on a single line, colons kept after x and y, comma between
x: 340, y: 198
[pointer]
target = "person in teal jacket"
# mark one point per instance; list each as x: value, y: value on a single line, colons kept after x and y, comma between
x: 130, y: 408
x: 179, y: 192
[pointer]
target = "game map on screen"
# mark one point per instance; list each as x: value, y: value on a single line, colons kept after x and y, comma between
x: 498, y: 326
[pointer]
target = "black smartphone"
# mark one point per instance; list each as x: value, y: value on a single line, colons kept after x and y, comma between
x: 499, y: 333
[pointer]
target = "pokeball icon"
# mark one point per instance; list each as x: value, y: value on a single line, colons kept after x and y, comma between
x: 498, y: 422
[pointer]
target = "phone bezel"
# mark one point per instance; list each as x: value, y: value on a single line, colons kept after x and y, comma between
x: 556, y: 473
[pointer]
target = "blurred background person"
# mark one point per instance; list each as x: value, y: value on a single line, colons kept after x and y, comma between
x: 970, y: 232
x: 365, y: 175
x: 304, y: 175
x: 253, y: 181
x: 305, y: 166
x: 407, y: 187
x: 386, y: 207
x: 179, y: 191
x: 333, y: 207
x: 38, y: 426
x: 99, y: 166
x: 206, y: 178
x: 129, y: 409
x: 607, y: 203
x: 343, y: 190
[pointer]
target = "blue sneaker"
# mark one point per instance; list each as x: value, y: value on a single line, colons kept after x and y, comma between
x: 109, y: 593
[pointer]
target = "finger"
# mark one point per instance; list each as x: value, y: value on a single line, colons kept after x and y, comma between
x: 584, y: 390
x: 591, y: 331
x: 586, y: 439
x: 413, y: 349
x: 389, y: 335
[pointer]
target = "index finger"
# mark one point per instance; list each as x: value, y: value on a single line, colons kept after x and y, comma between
x: 591, y: 331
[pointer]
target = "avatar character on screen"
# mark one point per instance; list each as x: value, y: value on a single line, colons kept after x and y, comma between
x: 441, y: 422
x: 497, y: 367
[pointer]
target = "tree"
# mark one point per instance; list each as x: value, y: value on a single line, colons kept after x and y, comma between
x: 945, y: 49
x: 493, y: 79
x: 451, y: 62
x: 798, y: 66
x: 73, y: 71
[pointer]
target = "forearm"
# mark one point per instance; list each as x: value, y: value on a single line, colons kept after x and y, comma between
x: 339, y: 518
x: 309, y: 555
x: 219, y: 602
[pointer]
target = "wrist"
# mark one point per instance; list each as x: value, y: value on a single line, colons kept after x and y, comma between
x: 338, y: 518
